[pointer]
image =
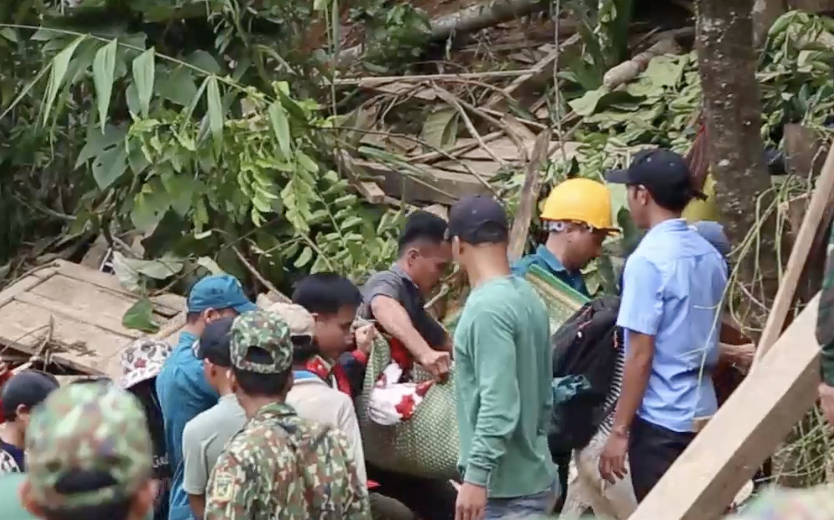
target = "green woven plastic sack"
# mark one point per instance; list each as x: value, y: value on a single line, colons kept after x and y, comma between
x: 426, y: 445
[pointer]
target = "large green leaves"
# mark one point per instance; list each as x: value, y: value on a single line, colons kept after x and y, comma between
x: 143, y: 79
x: 57, y: 75
x: 104, y: 68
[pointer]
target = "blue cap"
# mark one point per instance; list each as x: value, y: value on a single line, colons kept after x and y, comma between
x: 713, y: 232
x: 220, y: 291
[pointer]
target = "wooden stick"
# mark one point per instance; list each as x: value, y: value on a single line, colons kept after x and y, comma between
x: 374, y: 81
x: 820, y: 202
x: 529, y: 195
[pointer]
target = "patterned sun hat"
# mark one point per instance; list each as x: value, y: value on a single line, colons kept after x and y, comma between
x: 142, y: 360
x: 88, y: 427
x: 265, y: 330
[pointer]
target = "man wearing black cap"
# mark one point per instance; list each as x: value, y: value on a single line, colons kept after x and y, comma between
x: 503, y: 374
x: 206, y: 434
x: 673, y: 285
x: 20, y: 395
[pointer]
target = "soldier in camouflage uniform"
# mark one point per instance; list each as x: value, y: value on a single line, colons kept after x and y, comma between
x: 825, y: 333
x: 89, y: 457
x: 279, y: 465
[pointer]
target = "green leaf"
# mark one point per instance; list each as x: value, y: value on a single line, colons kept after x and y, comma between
x: 209, y: 265
x: 280, y: 127
x: 177, y: 86
x: 9, y: 34
x: 665, y: 71
x: 144, y: 67
x: 140, y: 317
x: 204, y: 61
x: 109, y: 166
x: 587, y: 104
x: 104, y: 68
x: 58, y: 73
x: 215, y: 110
x: 150, y: 206
x: 304, y: 258
x: 441, y: 127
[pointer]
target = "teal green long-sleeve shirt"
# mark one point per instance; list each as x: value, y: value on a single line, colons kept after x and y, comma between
x: 825, y: 316
x: 503, y: 364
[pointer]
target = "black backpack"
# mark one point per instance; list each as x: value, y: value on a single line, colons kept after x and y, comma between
x: 585, y: 351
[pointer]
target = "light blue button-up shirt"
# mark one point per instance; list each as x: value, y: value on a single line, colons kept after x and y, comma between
x: 672, y: 289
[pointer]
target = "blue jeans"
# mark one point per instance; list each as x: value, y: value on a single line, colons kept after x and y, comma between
x: 529, y: 506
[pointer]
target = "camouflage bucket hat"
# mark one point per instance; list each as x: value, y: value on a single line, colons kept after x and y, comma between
x: 93, y: 426
x: 300, y: 321
x: 265, y: 330
x: 143, y: 360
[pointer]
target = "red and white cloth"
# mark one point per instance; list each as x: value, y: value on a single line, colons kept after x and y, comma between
x: 394, y: 398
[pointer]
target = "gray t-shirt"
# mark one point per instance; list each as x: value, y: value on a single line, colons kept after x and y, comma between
x: 204, y: 438
x: 396, y: 284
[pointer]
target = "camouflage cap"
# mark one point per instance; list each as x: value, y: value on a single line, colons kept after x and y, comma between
x: 265, y: 330
x: 92, y: 426
x: 301, y: 322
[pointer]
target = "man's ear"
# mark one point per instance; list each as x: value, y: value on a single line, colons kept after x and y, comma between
x: 230, y: 375
x: 210, y: 315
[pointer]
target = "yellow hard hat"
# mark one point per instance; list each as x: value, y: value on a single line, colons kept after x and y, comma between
x: 580, y: 200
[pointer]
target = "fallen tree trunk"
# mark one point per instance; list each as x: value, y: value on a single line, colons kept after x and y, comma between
x: 727, y: 65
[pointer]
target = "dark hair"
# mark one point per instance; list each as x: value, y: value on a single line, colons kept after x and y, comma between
x: 192, y: 317
x: 422, y: 226
x: 326, y: 293
x: 261, y: 385
x: 674, y: 200
x: 303, y: 348
x: 488, y: 233
x: 78, y: 481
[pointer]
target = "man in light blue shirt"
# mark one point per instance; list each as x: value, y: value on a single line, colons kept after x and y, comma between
x: 670, y: 311
x: 181, y: 385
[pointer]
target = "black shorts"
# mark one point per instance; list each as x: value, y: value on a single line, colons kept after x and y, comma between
x: 652, y: 450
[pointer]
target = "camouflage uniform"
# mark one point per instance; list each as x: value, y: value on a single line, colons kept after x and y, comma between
x: 7, y: 463
x: 92, y: 426
x: 280, y: 465
x: 825, y: 317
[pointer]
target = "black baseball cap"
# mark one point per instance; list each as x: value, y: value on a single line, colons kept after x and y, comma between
x: 214, y: 343
x: 664, y: 174
x: 28, y: 388
x: 478, y: 213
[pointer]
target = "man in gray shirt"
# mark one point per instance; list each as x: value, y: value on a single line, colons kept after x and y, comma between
x: 205, y: 436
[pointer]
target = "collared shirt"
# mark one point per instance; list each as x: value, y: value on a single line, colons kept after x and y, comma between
x: 548, y: 261
x: 672, y: 289
x: 183, y: 393
x: 396, y: 284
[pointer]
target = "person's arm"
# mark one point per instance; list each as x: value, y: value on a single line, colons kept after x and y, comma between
x: 349, y: 425
x: 224, y: 499
x: 641, y: 309
x: 392, y: 316
x: 195, y: 472
x: 356, y: 500
x: 825, y: 316
x: 494, y: 356
x: 741, y: 356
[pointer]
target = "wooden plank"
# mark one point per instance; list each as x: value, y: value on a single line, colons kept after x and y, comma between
x: 450, y: 186
x: 105, y: 281
x: 99, y: 306
x: 529, y: 196
x: 100, y: 320
x: 744, y: 432
x: 76, y: 344
x: 25, y: 284
x: 820, y: 201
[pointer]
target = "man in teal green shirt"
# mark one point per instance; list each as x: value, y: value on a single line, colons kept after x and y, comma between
x: 89, y: 457
x: 503, y: 366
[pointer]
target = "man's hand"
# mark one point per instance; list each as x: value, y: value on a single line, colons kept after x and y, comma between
x: 364, y: 337
x: 437, y: 363
x: 827, y: 401
x: 740, y: 355
x: 471, y: 502
x: 612, y: 459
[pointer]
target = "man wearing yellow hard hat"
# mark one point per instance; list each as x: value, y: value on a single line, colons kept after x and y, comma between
x: 577, y: 215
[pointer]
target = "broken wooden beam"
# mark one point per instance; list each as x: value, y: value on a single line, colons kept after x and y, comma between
x: 529, y: 197
x: 744, y: 432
